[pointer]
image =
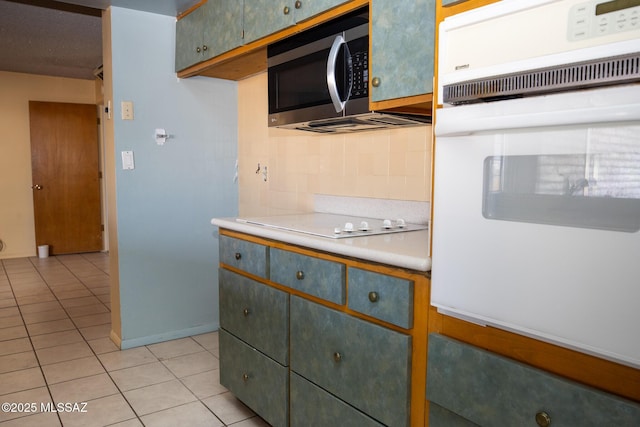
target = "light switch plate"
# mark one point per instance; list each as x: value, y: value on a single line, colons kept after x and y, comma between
x: 127, y: 110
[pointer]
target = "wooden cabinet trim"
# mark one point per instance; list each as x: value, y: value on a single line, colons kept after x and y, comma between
x: 599, y: 373
x: 191, y: 9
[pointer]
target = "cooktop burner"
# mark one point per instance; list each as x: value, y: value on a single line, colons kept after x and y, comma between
x: 333, y: 226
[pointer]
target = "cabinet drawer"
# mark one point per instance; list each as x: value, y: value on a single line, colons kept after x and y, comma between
x: 313, y: 407
x: 261, y: 383
x: 491, y: 390
x: 359, y: 362
x: 250, y: 257
x: 255, y: 313
x: 321, y: 278
x: 441, y: 417
x: 383, y: 297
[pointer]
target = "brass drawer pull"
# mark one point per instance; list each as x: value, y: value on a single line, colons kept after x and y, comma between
x: 543, y: 419
x: 300, y: 275
x: 373, y: 296
x: 298, y: 4
x: 238, y: 255
x: 205, y: 48
x: 245, y: 377
x: 246, y: 312
x: 286, y: 10
x: 375, y: 82
x: 337, y: 357
x: 198, y: 49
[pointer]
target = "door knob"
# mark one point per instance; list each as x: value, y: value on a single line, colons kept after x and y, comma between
x: 36, y: 187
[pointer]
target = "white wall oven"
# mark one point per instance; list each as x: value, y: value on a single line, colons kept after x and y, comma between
x: 536, y: 225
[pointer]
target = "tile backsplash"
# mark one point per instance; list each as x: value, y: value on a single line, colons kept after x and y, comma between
x: 383, y: 164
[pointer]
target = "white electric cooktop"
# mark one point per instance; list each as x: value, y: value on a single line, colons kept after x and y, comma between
x: 333, y: 226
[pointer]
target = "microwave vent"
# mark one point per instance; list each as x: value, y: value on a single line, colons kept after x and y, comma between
x: 398, y: 120
x: 581, y: 75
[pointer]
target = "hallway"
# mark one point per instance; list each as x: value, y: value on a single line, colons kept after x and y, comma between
x: 55, y: 353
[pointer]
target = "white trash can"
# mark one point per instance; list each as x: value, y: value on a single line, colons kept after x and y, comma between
x: 43, y: 251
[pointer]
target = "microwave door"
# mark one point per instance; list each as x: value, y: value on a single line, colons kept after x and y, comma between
x: 339, y: 73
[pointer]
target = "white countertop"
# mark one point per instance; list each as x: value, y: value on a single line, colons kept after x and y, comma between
x: 407, y: 250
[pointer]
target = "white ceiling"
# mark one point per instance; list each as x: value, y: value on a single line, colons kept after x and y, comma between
x: 63, y: 38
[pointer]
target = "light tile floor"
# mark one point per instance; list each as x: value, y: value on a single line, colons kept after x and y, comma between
x: 55, y: 350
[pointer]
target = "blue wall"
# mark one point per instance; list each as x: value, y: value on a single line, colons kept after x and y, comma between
x: 168, y: 251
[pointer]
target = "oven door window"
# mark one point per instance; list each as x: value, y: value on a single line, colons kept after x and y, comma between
x: 597, y: 188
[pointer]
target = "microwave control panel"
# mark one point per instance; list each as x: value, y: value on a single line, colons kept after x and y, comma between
x: 599, y: 18
x: 360, y: 63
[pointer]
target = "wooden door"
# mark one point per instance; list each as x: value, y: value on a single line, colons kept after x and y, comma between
x: 66, y: 176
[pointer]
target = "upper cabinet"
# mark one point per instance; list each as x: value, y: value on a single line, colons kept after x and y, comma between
x: 402, y: 48
x: 402, y: 42
x: 264, y: 17
x: 219, y: 26
x: 306, y: 9
x: 213, y: 28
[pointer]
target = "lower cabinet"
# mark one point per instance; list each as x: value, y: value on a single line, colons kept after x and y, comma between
x: 468, y: 386
x: 312, y: 406
x: 362, y: 363
x: 257, y: 380
x: 297, y: 353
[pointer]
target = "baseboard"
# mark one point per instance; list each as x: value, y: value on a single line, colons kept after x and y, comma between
x: 153, y: 339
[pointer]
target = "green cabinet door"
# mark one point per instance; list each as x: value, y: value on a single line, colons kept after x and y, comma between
x: 491, y: 390
x: 312, y: 406
x: 402, y: 48
x: 255, y: 313
x: 213, y: 28
x: 222, y: 30
x: 306, y: 9
x: 451, y: 2
x: 258, y: 381
x: 361, y: 363
x: 189, y: 39
x: 264, y: 17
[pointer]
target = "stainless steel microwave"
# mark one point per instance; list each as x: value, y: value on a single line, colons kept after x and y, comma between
x: 319, y: 80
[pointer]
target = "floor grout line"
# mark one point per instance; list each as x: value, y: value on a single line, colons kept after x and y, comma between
x: 22, y: 269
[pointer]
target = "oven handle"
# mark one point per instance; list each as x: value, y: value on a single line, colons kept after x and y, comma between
x: 332, y: 84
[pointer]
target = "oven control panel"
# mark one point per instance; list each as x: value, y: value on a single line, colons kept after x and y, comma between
x: 600, y: 18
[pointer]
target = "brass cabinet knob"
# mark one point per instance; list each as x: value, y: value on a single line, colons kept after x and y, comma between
x: 373, y: 296
x: 286, y: 10
x: 300, y: 275
x: 245, y: 377
x: 543, y: 419
x: 375, y: 82
x: 238, y: 255
x: 298, y: 4
x: 205, y: 48
x: 246, y: 311
x: 337, y: 357
x: 198, y: 49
